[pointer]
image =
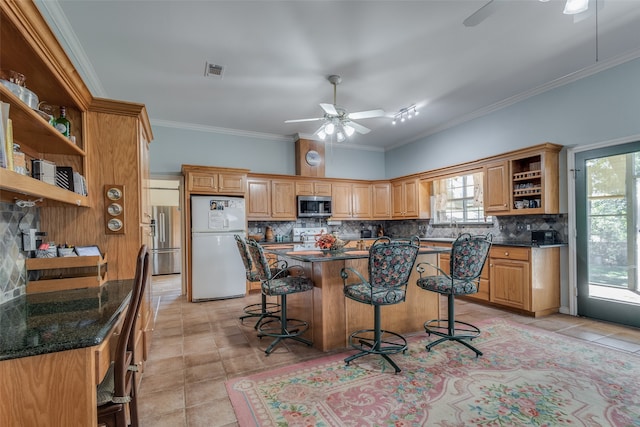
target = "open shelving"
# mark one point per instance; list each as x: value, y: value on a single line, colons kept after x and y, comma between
x: 64, y: 273
x: 29, y: 47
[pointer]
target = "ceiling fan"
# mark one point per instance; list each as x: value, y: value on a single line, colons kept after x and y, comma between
x: 339, y: 121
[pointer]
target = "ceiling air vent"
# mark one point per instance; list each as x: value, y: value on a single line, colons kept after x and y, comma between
x: 213, y: 70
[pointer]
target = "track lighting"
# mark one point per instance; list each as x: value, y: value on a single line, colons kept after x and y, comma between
x: 405, y: 114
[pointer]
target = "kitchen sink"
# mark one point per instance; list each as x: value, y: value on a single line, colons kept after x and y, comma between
x: 440, y: 239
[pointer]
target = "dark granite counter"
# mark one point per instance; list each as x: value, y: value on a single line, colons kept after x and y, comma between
x: 316, y: 255
x: 64, y: 320
x: 496, y: 242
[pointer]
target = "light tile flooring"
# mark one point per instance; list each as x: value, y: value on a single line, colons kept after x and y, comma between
x: 197, y: 346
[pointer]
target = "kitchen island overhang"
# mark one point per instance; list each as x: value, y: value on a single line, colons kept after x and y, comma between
x: 333, y: 317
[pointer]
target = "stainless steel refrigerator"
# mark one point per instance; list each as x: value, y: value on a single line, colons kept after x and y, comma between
x: 165, y: 253
x: 217, y: 270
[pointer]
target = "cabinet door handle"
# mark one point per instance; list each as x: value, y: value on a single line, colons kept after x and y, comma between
x: 506, y: 254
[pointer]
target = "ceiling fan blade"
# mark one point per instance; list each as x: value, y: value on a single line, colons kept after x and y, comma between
x: 330, y: 109
x: 304, y: 120
x: 359, y: 128
x: 320, y: 129
x: 366, y: 114
x: 479, y: 15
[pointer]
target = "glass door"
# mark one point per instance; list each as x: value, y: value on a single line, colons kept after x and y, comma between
x: 607, y: 233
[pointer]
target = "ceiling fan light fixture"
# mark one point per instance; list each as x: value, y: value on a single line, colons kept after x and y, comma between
x: 329, y: 128
x: 322, y: 134
x: 340, y: 136
x: 349, y: 130
x: 573, y: 7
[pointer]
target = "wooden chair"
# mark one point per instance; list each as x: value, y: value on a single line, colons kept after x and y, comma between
x: 468, y: 256
x: 118, y: 389
x: 390, y: 265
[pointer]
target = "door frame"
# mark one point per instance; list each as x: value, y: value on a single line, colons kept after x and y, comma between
x: 571, y: 209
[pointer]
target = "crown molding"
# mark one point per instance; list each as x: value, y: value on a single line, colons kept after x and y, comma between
x: 60, y: 25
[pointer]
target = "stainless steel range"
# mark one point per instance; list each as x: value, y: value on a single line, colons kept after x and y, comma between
x: 306, y: 237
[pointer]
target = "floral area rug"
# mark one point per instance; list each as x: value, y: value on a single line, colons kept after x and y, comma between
x: 526, y: 377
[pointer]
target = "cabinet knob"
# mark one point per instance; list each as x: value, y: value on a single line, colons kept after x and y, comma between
x: 506, y: 254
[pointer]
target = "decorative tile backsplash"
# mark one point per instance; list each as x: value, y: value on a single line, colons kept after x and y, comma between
x: 504, y: 228
x: 13, y: 278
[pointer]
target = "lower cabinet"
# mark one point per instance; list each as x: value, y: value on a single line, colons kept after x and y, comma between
x: 527, y: 279
x: 510, y: 281
x: 520, y: 278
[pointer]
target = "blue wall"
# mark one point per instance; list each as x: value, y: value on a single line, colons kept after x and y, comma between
x: 173, y: 147
x: 598, y: 108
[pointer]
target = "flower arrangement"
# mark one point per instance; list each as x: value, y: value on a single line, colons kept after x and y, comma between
x: 327, y: 242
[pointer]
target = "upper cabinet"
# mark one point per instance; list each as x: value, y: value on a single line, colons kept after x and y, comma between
x: 535, y: 182
x: 258, y: 199
x: 313, y: 188
x: 410, y: 198
x: 30, y: 48
x: 497, y: 187
x: 283, y: 200
x: 210, y: 180
x: 381, y: 204
x: 351, y: 200
x: 270, y: 199
x: 525, y: 182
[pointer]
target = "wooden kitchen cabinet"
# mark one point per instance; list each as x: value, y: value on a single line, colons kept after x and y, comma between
x: 214, y: 181
x: 29, y: 46
x: 510, y: 278
x: 351, y: 200
x: 381, y: 200
x: 258, y: 199
x: 535, y: 182
x: 144, y: 179
x: 270, y: 199
x: 523, y: 183
x: 313, y: 188
x: 497, y: 187
x: 527, y: 279
x: 410, y: 198
x: 283, y: 200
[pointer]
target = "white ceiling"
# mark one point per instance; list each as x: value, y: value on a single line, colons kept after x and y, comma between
x: 391, y: 54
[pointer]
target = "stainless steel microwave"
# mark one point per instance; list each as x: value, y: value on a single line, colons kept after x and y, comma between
x: 314, y: 206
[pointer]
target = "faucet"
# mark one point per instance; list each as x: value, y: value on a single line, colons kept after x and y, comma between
x: 302, y: 237
x: 454, y: 230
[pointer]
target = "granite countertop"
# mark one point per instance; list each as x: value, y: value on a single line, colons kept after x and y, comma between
x: 316, y: 255
x: 48, y: 322
x: 496, y: 242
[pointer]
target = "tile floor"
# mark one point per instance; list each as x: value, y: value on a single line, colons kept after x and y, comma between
x: 197, y: 346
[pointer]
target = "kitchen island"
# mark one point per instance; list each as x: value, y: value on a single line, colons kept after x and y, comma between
x: 332, y: 316
x: 55, y: 347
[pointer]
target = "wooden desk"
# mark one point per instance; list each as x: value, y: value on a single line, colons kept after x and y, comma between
x: 333, y: 317
x: 54, y: 349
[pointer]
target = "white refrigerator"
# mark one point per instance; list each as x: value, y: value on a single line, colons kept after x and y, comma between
x: 217, y: 270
